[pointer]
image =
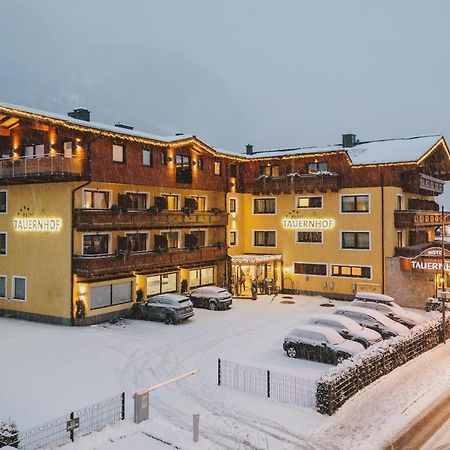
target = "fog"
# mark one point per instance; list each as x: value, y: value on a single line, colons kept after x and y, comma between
x: 272, y: 74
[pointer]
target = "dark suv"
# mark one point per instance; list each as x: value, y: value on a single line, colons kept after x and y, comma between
x: 167, y: 308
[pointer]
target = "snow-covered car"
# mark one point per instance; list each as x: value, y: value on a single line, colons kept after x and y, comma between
x: 167, y: 308
x: 374, y: 320
x: 347, y: 328
x: 393, y: 311
x: 374, y: 297
x: 319, y: 344
x: 211, y: 297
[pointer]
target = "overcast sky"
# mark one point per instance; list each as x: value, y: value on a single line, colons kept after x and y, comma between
x: 270, y: 73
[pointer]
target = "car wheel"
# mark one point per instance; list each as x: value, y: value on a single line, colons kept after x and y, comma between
x: 169, y: 320
x: 212, y: 306
x: 291, y: 352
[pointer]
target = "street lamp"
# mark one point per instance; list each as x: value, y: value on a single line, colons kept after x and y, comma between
x: 443, y: 293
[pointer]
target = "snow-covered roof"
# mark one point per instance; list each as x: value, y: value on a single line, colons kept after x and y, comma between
x: 403, y: 149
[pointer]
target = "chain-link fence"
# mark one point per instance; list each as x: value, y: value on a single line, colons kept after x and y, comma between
x: 267, y: 383
x: 66, y: 428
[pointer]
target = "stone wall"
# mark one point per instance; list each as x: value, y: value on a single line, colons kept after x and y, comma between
x: 409, y: 288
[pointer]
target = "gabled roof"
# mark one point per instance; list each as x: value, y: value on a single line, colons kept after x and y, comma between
x: 397, y: 150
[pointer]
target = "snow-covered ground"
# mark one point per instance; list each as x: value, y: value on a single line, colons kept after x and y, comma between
x: 51, y: 370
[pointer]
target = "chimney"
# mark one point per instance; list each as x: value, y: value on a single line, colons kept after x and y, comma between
x: 249, y: 149
x: 122, y: 125
x: 80, y: 114
x: 349, y: 140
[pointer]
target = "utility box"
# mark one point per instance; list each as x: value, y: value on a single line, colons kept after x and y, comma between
x: 140, y: 407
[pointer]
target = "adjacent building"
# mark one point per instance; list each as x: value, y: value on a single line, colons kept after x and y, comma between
x: 95, y: 217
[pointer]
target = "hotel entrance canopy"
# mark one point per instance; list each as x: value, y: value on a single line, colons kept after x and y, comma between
x: 244, y: 260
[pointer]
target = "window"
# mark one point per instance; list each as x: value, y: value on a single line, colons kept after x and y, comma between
x: 111, y: 294
x: 136, y: 200
x: 264, y: 206
x: 200, y: 237
x: 264, y: 239
x: 233, y: 237
x: 3, y: 244
x: 200, y: 163
x: 355, y: 203
x: 351, y: 271
x: 172, y: 201
x: 3, y: 282
x: 163, y: 156
x: 310, y: 269
x: 29, y: 151
x: 317, y: 167
x: 399, y: 202
x: 399, y: 239
x: 309, y: 202
x: 95, y: 244
x: 147, y: 159
x: 68, y: 148
x: 96, y: 199
x: 172, y: 238
x: 35, y: 151
x: 270, y: 171
x: 359, y: 240
x: 158, y: 284
x: 217, y: 167
x: 232, y: 205
x: 19, y: 288
x: 309, y: 236
x: 198, y: 201
x: 3, y: 202
x: 118, y: 153
x: 201, y: 277
x: 233, y: 170
x: 183, y: 169
x: 135, y: 242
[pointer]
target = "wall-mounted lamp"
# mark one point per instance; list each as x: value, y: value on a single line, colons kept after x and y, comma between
x: 194, y: 162
x: 169, y: 158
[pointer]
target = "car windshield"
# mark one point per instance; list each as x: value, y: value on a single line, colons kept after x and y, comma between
x: 396, y: 308
x: 334, y: 338
x: 184, y: 300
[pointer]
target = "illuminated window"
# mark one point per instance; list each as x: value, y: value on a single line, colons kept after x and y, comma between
x: 147, y: 157
x: 270, y: 171
x: 3, y: 244
x: 172, y: 202
x: 355, y: 203
x: 233, y: 237
x: 118, y: 153
x: 19, y: 288
x: 3, y: 202
x: 309, y: 202
x: 264, y: 239
x: 96, y: 199
x: 264, y: 205
x: 310, y: 269
x: 3, y: 281
x: 217, y: 167
x: 157, y: 284
x: 172, y: 238
x: 232, y: 205
x: 198, y: 202
x: 351, y: 271
x: 201, y: 277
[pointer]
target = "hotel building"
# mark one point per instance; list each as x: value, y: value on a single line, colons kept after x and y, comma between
x: 95, y: 217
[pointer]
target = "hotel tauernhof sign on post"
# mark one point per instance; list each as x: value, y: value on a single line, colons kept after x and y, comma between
x: 429, y: 261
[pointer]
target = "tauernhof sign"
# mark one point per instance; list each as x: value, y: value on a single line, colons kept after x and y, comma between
x: 308, y: 224
x: 430, y: 260
x: 41, y: 224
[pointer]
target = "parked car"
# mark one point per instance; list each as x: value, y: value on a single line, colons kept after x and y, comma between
x: 347, y: 328
x: 374, y: 320
x: 374, y: 297
x: 211, y: 297
x: 319, y: 343
x: 167, y: 308
x: 391, y: 310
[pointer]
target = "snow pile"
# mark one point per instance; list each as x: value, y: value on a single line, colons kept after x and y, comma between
x: 340, y: 383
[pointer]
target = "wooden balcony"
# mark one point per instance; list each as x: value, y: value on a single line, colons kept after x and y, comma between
x: 297, y: 183
x: 412, y: 251
x: 418, y: 218
x: 418, y: 183
x: 95, y: 266
x: 47, y: 167
x: 107, y: 219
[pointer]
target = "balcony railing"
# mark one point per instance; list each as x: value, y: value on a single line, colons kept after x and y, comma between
x: 107, y: 219
x: 43, y: 166
x: 412, y: 251
x: 419, y: 183
x: 88, y: 266
x: 297, y: 183
x: 417, y: 218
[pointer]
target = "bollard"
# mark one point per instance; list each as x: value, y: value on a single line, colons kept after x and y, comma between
x: 196, y: 423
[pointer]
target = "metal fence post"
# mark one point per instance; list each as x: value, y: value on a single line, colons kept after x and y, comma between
x: 123, y: 406
x: 72, y: 434
x: 218, y: 372
x: 268, y: 384
x: 196, y: 426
